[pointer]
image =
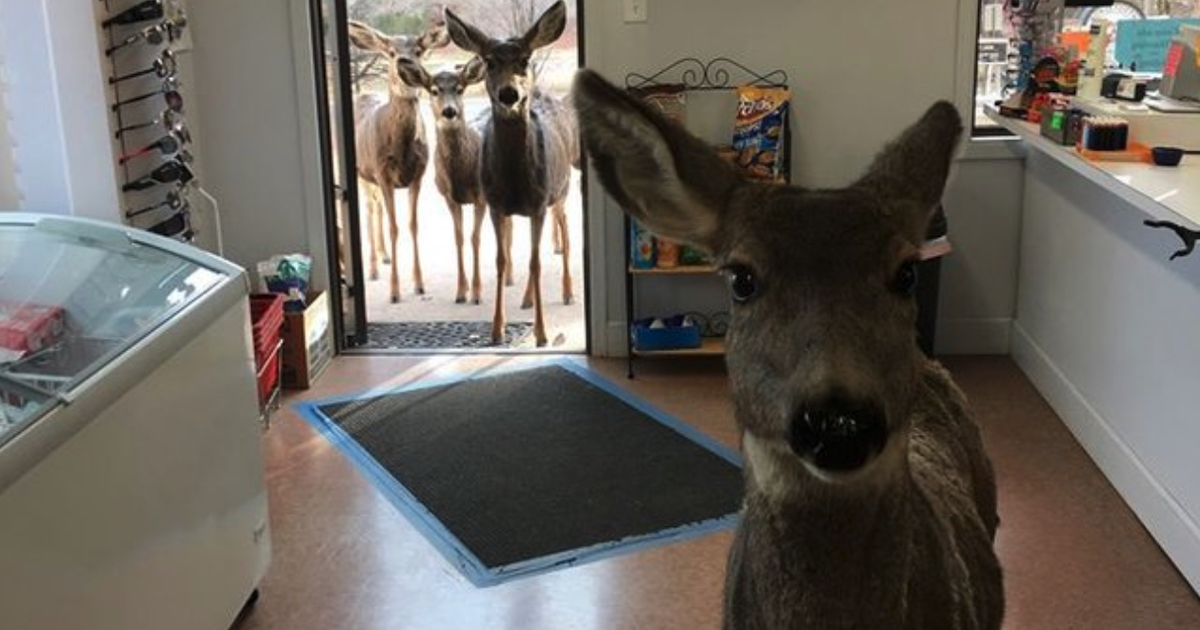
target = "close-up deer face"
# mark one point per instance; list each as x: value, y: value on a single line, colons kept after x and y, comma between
x: 508, y: 78
x: 821, y: 346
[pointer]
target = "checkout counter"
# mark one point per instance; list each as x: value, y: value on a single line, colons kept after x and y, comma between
x: 1108, y: 325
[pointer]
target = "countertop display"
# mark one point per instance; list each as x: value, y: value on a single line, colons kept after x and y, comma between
x: 1167, y: 193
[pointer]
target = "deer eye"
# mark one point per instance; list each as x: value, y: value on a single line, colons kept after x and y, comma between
x: 742, y: 283
x: 905, y: 281
x: 434, y: 91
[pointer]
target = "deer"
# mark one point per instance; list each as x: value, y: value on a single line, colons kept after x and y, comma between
x: 529, y: 147
x: 456, y: 159
x: 869, y: 499
x: 391, y: 149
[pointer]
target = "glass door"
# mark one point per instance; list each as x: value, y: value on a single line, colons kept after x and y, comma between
x: 335, y: 114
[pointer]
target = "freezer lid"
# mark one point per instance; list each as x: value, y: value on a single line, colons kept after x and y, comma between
x: 75, y: 294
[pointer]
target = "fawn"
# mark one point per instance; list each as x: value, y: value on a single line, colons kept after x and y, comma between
x: 870, y: 503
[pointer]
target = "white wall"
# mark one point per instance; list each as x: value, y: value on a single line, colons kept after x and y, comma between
x: 56, y: 104
x: 860, y: 72
x: 9, y: 195
x: 255, y: 145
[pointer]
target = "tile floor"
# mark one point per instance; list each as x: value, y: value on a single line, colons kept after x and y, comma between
x: 1074, y: 556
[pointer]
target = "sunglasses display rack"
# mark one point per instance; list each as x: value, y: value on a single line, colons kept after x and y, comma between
x: 145, y: 46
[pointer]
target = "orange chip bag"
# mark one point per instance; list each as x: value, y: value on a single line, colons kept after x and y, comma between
x: 760, y: 131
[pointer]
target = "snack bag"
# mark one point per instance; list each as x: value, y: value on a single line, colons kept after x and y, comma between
x: 759, y: 131
x: 669, y: 100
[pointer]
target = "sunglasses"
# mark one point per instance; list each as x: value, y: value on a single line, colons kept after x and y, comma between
x: 174, y: 171
x: 178, y: 225
x: 167, y: 144
x: 163, y: 67
x: 140, y: 12
x: 169, y: 91
x: 169, y: 119
x: 167, y: 30
x: 174, y: 201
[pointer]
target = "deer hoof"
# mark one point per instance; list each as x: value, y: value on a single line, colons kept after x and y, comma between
x: 460, y: 300
x: 374, y: 275
x: 395, y: 299
x: 525, y: 305
x: 420, y: 291
x: 568, y: 300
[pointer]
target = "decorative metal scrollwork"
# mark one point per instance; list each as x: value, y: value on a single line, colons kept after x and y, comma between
x: 719, y: 73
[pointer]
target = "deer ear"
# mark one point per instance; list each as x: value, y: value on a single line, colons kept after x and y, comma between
x: 548, y: 28
x: 436, y: 37
x: 464, y: 35
x: 412, y: 73
x: 670, y: 180
x: 910, y: 173
x: 473, y: 72
x: 367, y: 38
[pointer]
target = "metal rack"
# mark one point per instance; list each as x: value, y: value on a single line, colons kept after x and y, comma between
x: 694, y: 75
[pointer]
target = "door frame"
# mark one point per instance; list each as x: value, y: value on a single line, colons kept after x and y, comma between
x: 332, y: 195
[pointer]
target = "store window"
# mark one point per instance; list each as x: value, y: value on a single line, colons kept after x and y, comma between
x: 1013, y: 34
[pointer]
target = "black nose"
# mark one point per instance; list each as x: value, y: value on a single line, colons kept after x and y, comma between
x: 838, y: 435
x: 449, y: 113
x: 508, y: 96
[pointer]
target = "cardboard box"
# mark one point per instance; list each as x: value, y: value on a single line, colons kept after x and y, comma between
x: 307, y: 342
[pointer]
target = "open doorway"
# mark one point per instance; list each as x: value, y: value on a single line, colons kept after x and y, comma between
x: 442, y: 318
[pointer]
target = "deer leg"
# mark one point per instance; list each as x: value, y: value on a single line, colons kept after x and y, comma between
x: 372, y: 228
x: 556, y: 235
x: 560, y: 220
x: 389, y: 202
x: 527, y: 300
x: 508, y: 273
x: 414, y: 192
x: 456, y: 212
x: 476, y: 283
x: 377, y: 230
x: 501, y: 225
x: 535, y: 277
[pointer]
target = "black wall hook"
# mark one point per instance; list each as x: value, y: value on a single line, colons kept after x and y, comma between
x: 1188, y: 236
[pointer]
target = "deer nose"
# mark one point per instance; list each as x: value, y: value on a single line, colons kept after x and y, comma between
x: 449, y: 113
x: 838, y: 435
x: 508, y: 95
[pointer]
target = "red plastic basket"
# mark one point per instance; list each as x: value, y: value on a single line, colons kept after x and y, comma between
x: 266, y: 317
x: 268, y: 375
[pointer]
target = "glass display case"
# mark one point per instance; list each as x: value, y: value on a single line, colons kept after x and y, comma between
x: 131, y: 473
x: 71, y: 301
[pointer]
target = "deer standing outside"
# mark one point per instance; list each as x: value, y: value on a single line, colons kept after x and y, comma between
x: 390, y: 145
x: 529, y: 146
x: 456, y: 158
x: 869, y: 502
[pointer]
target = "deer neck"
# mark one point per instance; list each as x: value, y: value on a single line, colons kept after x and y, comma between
x: 514, y: 172
x: 826, y: 533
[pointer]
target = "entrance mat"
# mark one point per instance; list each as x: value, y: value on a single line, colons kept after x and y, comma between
x: 516, y: 472
x: 441, y: 335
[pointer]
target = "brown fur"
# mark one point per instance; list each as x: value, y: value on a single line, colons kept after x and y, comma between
x: 391, y: 150
x: 527, y: 153
x: 456, y: 160
x: 904, y: 538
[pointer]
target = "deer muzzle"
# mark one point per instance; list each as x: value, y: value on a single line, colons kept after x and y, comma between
x: 837, y: 435
x: 449, y: 113
x: 508, y: 95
